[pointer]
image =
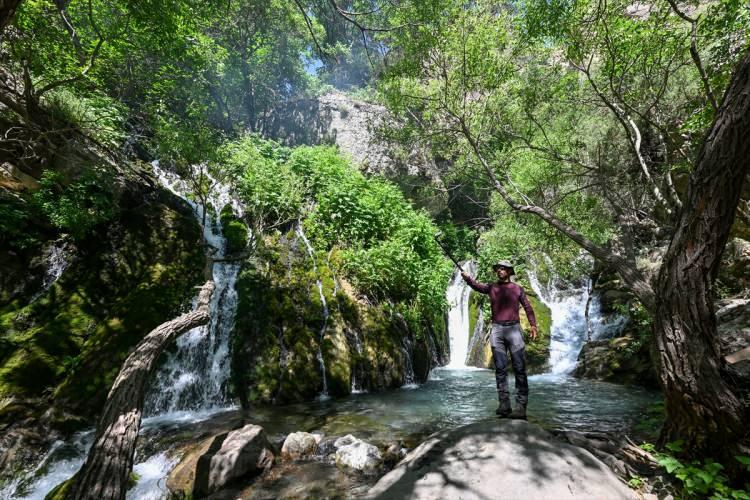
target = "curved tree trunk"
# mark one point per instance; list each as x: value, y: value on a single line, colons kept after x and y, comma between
x: 701, y: 407
x: 110, y: 460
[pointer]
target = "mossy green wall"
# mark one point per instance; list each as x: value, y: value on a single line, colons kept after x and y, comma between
x: 126, y: 279
x: 279, y: 318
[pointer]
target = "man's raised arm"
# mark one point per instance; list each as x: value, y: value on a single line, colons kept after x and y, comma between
x: 479, y: 287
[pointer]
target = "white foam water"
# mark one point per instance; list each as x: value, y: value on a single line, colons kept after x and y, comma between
x: 457, y: 296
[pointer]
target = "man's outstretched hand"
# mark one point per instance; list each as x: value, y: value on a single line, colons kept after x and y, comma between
x: 534, y: 333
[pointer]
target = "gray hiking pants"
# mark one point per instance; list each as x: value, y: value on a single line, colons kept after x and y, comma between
x: 509, y: 338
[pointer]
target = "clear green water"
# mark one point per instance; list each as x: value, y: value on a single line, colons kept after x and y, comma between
x: 456, y: 397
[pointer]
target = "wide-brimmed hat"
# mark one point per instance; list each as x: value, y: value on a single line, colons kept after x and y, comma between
x: 503, y: 263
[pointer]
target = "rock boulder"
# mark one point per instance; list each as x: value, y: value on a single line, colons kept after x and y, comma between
x: 299, y: 445
x: 509, y: 459
x: 355, y: 454
x: 221, y: 460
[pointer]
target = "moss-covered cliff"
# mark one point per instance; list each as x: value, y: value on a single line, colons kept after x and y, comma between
x: 127, y: 276
x: 278, y: 331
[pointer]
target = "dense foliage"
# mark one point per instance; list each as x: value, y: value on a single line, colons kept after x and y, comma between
x: 368, y: 229
x: 561, y: 123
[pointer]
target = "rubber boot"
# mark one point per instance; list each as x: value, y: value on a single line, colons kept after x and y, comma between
x: 504, y: 409
x: 519, y: 413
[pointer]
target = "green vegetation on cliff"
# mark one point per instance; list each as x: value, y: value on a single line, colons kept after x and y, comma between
x: 125, y: 280
x: 371, y: 234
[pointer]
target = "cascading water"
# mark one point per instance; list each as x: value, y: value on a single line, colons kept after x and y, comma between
x: 57, y: 257
x: 568, y: 329
x: 194, y: 377
x: 407, y: 348
x: 457, y: 296
x: 189, y: 387
x: 570, y: 326
x: 321, y: 335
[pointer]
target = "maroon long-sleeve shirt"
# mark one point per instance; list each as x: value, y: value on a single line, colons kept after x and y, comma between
x: 505, y: 299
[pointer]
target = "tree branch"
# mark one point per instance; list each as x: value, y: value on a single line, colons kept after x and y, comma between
x: 104, y: 475
x: 640, y: 287
x: 695, y: 55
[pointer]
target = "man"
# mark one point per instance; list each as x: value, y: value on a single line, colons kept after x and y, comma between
x: 505, y: 298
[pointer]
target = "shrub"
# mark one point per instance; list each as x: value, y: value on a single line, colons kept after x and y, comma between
x: 700, y: 478
x: 15, y: 228
x: 235, y: 231
x: 272, y: 192
x: 80, y: 206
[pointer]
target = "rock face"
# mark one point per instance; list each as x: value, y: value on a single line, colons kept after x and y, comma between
x: 221, y: 460
x: 299, y: 445
x: 352, y: 125
x: 499, y: 459
x: 621, y: 359
x: 278, y: 328
x: 66, y: 334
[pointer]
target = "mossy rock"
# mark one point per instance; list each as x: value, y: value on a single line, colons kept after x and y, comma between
x: 537, y: 351
x: 280, y: 316
x: 235, y: 231
x: 622, y: 360
x: 126, y: 279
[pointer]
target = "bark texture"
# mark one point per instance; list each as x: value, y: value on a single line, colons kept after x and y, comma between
x: 104, y: 475
x: 701, y: 406
x: 7, y: 11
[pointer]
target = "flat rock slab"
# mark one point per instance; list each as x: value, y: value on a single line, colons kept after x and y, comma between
x: 508, y: 459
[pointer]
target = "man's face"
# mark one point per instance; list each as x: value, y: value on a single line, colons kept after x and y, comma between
x: 503, y: 273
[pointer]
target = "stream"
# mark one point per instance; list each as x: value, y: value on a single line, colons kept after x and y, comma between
x: 191, y: 402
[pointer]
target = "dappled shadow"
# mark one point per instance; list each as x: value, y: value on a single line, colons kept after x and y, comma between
x: 498, y: 458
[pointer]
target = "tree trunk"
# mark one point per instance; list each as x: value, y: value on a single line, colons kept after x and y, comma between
x: 110, y: 460
x: 7, y: 11
x: 701, y: 407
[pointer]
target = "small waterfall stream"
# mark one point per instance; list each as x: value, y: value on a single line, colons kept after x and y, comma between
x: 568, y: 329
x: 321, y: 335
x: 457, y: 296
x: 57, y: 257
x: 570, y: 326
x: 194, y: 377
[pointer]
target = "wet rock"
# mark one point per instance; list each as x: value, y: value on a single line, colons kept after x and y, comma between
x: 623, y: 359
x: 393, y: 453
x: 221, y: 460
x: 327, y: 446
x: 299, y: 445
x: 355, y: 454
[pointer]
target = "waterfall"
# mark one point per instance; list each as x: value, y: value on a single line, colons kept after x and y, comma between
x: 569, y: 329
x: 195, y: 375
x: 321, y: 335
x: 57, y: 258
x: 407, y: 346
x: 604, y: 326
x: 356, y: 388
x: 457, y: 296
